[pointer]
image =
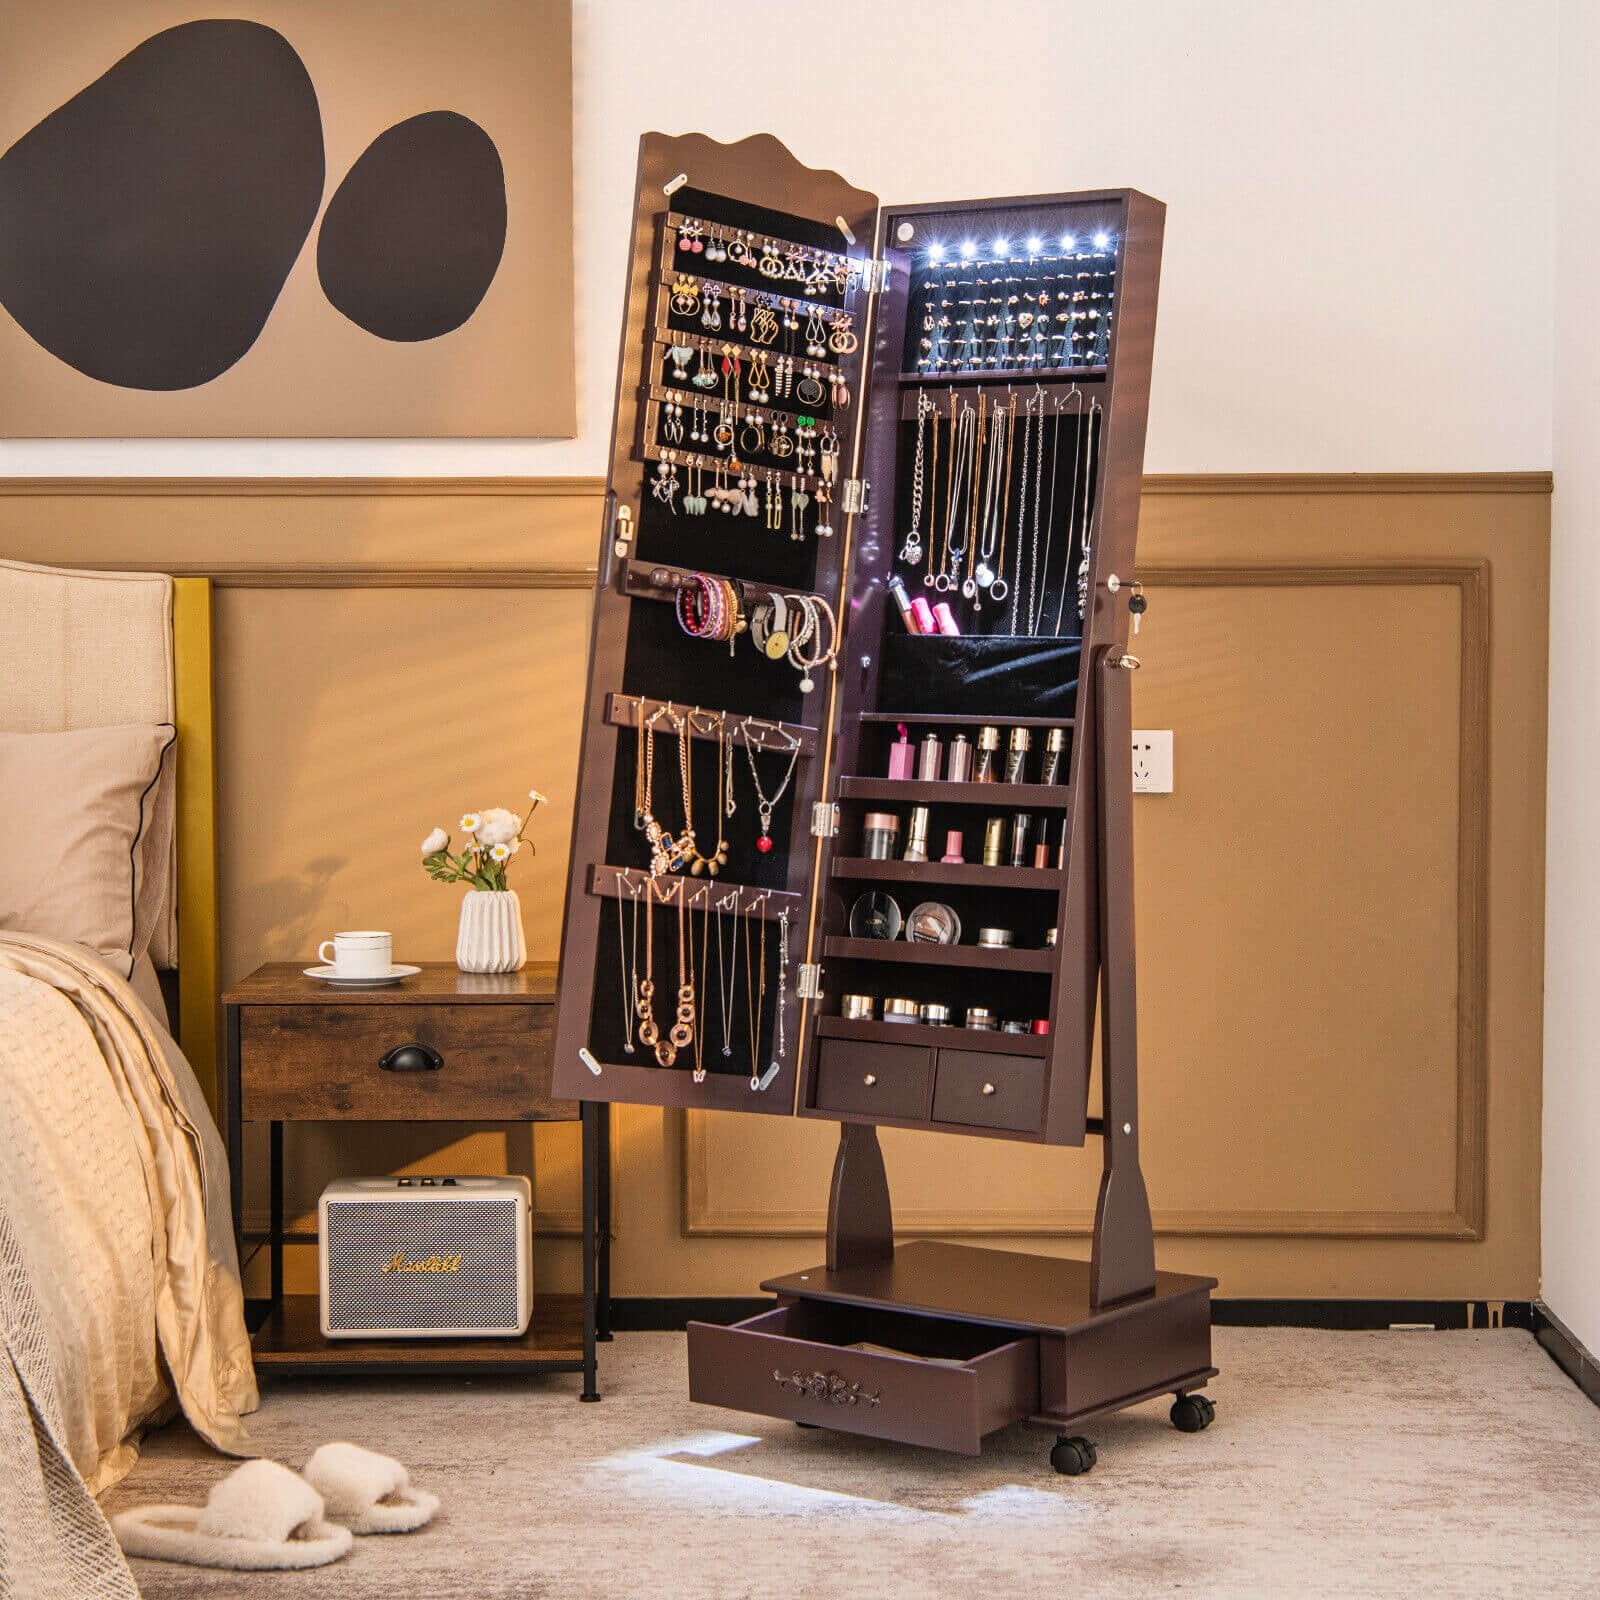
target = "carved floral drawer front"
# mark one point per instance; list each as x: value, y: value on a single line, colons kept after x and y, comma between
x: 804, y: 1361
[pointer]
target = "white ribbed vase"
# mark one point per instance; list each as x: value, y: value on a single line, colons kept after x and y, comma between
x: 490, y: 938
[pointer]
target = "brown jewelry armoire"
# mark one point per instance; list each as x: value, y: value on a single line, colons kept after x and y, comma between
x: 872, y: 501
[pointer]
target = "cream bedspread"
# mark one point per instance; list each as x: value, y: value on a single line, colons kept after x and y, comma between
x: 114, y: 1182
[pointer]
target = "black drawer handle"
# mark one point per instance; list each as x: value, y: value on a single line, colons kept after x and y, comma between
x: 412, y: 1058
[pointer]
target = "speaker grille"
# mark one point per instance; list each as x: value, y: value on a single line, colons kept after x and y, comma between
x: 363, y: 1236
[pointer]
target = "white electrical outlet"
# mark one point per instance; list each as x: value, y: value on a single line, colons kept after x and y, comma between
x: 1152, y: 760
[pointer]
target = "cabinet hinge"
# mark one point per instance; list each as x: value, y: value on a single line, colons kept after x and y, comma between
x: 856, y: 493
x: 875, y: 275
x: 824, y: 819
x: 808, y: 982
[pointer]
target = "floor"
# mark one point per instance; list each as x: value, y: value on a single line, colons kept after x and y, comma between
x: 1458, y: 1464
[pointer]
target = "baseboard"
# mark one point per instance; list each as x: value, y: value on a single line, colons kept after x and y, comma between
x: 647, y: 1314
x: 1567, y: 1350
x: 1368, y: 1314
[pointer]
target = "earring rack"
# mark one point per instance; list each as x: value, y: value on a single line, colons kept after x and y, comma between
x: 957, y: 907
x: 732, y: 463
x: 717, y: 344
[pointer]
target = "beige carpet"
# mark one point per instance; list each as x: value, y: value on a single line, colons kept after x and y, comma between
x: 1458, y: 1464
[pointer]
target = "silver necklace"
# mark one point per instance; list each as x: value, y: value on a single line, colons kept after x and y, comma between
x: 983, y: 573
x: 911, y: 550
x: 765, y: 806
x: 1050, y: 513
x: 962, y: 446
x: 725, y: 980
x: 1072, y: 508
x: 1088, y: 516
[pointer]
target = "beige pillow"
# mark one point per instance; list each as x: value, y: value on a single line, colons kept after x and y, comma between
x: 84, y: 841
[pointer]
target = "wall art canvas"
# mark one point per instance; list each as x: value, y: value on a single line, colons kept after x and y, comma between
x: 286, y: 219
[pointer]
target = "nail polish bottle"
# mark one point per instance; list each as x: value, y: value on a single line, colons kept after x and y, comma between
x: 952, y: 849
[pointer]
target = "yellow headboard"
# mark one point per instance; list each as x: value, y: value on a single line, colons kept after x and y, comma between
x: 196, y: 830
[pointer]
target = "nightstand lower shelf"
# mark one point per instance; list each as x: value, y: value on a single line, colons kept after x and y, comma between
x: 288, y: 1338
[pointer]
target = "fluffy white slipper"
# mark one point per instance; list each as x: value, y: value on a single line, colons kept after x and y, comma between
x: 260, y: 1518
x: 367, y: 1492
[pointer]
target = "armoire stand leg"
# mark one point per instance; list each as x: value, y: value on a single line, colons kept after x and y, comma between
x: 860, y: 1228
x: 1122, y: 1263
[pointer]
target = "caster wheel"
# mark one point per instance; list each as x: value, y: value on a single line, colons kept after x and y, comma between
x: 1072, y: 1456
x: 1192, y: 1412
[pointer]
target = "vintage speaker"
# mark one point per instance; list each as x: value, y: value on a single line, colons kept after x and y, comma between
x: 415, y: 1258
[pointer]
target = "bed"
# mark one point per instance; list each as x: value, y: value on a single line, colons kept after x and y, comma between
x: 120, y: 1296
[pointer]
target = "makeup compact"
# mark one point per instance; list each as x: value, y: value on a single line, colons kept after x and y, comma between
x: 901, y: 1011
x: 857, y: 1007
x: 933, y: 922
x: 995, y: 938
x: 875, y: 915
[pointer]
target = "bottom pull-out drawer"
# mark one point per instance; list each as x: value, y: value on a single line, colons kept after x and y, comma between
x: 917, y: 1380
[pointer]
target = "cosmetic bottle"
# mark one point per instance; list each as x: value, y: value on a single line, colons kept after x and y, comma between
x: 994, y: 842
x: 901, y: 755
x: 958, y: 764
x: 1017, y: 756
x: 917, y: 835
x: 1055, y: 749
x: 930, y: 759
x: 988, y: 756
x: 1021, y: 832
x: 952, y: 856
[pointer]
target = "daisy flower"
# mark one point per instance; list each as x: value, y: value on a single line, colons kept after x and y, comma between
x: 500, y: 852
x: 471, y: 822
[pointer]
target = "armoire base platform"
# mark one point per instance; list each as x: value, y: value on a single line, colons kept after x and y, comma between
x: 940, y: 1344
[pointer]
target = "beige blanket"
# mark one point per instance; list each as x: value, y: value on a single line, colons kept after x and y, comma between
x: 114, y: 1182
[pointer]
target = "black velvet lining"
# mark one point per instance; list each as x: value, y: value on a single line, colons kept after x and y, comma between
x: 996, y: 675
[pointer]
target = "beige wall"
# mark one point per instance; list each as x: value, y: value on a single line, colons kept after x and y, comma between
x: 1340, y: 907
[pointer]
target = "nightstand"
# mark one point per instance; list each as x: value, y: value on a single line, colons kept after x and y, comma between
x: 302, y: 1051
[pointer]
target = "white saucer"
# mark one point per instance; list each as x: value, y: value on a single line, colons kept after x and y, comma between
x: 378, y: 981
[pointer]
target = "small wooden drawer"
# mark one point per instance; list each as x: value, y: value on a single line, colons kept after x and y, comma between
x: 882, y: 1080
x: 989, y: 1091
x: 953, y: 1383
x: 312, y: 1062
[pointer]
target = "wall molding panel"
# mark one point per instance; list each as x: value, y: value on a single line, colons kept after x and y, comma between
x: 1298, y: 1136
x: 703, y: 1217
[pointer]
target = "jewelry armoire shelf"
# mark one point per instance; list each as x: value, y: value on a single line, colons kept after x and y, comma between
x: 960, y: 873
x: 922, y: 460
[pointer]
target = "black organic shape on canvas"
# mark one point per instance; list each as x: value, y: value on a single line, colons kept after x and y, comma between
x: 147, y: 225
x: 413, y: 237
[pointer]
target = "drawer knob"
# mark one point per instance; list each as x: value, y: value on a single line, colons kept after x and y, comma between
x: 870, y: 1079
x: 988, y: 1088
x: 412, y: 1058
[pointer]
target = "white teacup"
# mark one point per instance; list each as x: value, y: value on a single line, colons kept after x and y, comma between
x: 362, y: 954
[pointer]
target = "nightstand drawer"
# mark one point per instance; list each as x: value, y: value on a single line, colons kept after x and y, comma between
x: 312, y: 1062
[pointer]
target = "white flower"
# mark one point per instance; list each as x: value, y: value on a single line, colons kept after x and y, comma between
x: 497, y: 826
x: 435, y: 842
x: 537, y: 798
x: 470, y: 822
x: 500, y: 852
